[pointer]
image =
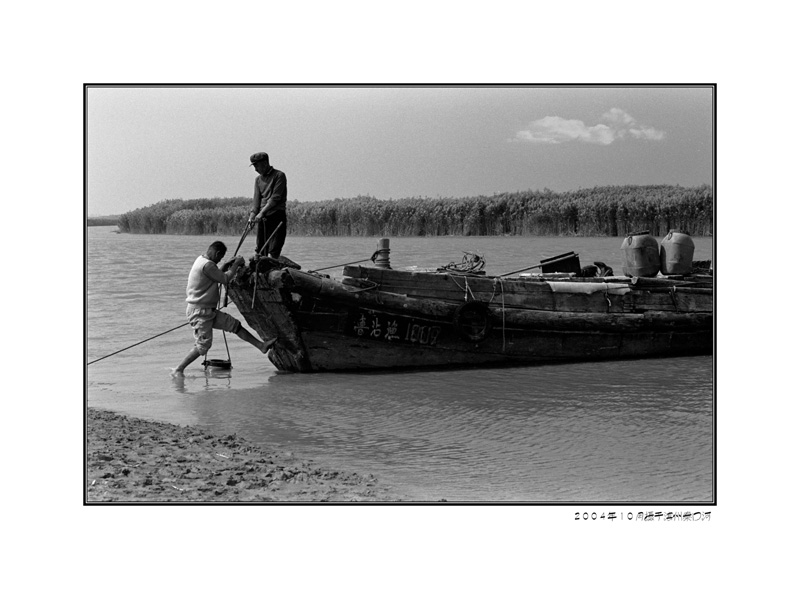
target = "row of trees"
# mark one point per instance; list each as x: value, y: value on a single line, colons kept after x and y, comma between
x: 608, y: 210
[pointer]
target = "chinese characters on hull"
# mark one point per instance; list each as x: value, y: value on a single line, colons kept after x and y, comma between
x: 390, y: 329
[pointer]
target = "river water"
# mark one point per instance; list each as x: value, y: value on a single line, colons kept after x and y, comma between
x: 629, y: 431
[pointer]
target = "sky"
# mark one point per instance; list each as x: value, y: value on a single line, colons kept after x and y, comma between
x: 146, y: 144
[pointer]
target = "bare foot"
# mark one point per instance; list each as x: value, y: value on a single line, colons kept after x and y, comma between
x: 176, y: 373
x: 265, y: 346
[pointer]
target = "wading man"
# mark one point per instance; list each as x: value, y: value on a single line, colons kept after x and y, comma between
x: 269, y: 206
x: 202, y: 298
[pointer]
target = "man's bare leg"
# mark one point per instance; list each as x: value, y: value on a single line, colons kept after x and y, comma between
x: 263, y: 347
x: 190, y: 357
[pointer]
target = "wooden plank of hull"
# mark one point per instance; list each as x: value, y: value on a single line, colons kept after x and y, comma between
x: 401, y: 279
x: 679, y: 300
x: 527, y: 294
x: 609, y: 322
x: 523, y: 320
x: 337, y: 351
x: 537, y: 294
x: 442, y: 281
x: 450, y: 287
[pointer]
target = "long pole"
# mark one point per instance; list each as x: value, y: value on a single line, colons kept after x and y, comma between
x: 137, y: 343
x: 247, y: 229
x: 345, y: 264
x: 550, y: 261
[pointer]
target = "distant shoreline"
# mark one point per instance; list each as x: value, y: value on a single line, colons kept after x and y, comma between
x: 107, y: 220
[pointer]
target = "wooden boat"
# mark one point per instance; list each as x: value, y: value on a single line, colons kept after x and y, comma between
x: 381, y: 318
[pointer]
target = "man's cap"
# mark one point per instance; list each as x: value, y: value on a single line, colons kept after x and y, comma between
x: 258, y: 157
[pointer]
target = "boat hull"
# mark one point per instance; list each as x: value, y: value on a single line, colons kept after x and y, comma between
x: 386, y: 319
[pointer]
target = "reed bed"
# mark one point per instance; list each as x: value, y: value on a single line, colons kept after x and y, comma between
x: 598, y: 211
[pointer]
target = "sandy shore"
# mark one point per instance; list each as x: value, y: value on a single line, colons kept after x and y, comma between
x: 136, y: 460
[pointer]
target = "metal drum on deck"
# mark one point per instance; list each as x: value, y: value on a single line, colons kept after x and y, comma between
x: 677, y: 251
x: 640, y: 255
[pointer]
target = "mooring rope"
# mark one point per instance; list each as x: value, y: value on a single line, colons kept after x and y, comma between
x: 466, y: 289
x: 499, y: 281
x: 469, y: 290
x: 373, y: 286
x: 137, y: 343
x: 503, y: 301
x: 471, y: 263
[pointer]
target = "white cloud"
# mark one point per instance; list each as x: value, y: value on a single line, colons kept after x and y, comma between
x: 619, y: 117
x: 647, y: 133
x: 617, y: 124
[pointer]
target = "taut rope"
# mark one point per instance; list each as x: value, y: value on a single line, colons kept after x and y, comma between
x: 137, y: 343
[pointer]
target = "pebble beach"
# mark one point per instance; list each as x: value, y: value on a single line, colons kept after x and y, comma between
x: 133, y: 460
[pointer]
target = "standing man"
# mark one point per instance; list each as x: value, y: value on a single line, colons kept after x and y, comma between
x: 202, y: 298
x: 269, y: 205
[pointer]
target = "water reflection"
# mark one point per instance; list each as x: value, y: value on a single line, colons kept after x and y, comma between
x: 217, y: 379
x: 210, y: 380
x: 179, y: 384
